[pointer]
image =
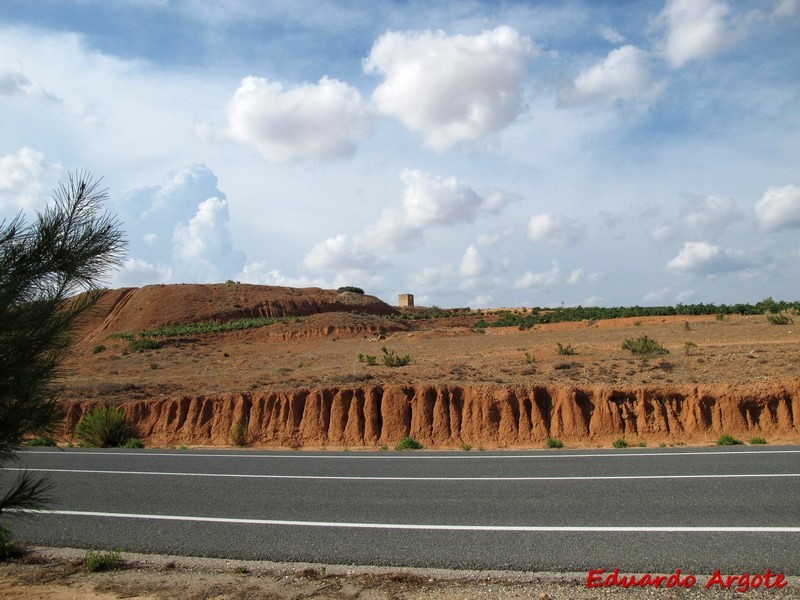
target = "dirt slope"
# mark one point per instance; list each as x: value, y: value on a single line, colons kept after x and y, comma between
x: 136, y: 309
x: 307, y: 382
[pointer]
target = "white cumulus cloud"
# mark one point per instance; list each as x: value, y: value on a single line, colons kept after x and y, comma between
x: 450, y: 88
x: 779, y: 208
x: 532, y: 279
x: 557, y: 230
x: 622, y: 78
x: 202, y: 247
x: 340, y: 253
x: 473, y: 263
x: 702, y: 258
x: 429, y: 201
x: 695, y: 29
x: 311, y: 121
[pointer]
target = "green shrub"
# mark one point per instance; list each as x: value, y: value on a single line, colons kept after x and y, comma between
x: 133, y: 443
x: 370, y: 359
x: 554, y: 443
x: 620, y: 443
x: 390, y: 359
x: 567, y: 350
x: 240, y: 432
x: 408, y: 443
x: 644, y: 346
x: 95, y: 562
x: 351, y: 288
x: 98, y: 349
x: 41, y: 440
x: 757, y: 440
x: 530, y: 358
x: 728, y: 440
x: 689, y: 348
x: 720, y: 316
x: 104, y: 427
x: 779, y: 319
x: 466, y: 447
x: 143, y: 343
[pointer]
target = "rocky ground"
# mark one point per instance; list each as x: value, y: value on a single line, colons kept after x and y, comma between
x: 58, y: 574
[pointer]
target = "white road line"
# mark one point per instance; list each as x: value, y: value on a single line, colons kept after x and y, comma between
x: 401, y: 478
x: 429, y: 527
x: 407, y: 456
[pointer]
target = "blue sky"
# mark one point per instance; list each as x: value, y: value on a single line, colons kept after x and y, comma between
x: 478, y: 154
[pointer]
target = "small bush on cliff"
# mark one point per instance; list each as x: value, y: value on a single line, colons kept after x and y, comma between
x: 391, y: 359
x: 728, y: 440
x: 644, y: 346
x: 240, y: 432
x: 554, y: 443
x: 103, y: 427
x: 350, y: 288
x: 757, y: 440
x: 408, y: 443
x: 620, y: 443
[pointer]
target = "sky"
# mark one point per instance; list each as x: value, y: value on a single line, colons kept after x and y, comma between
x: 472, y: 153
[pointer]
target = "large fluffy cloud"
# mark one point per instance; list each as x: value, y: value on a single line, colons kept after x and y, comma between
x: 557, y: 230
x: 695, y: 29
x: 26, y: 179
x: 310, y: 121
x: 340, y: 253
x: 703, y: 258
x: 178, y: 231
x: 622, y: 78
x: 779, y: 208
x: 430, y: 201
x: 450, y: 88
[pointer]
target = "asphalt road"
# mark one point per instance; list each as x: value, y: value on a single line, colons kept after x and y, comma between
x: 639, y: 510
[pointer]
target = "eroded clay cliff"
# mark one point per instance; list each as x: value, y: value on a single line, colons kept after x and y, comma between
x: 448, y: 416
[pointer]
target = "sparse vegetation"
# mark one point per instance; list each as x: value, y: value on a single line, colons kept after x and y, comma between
x: 728, y: 440
x: 98, y: 349
x: 41, y: 440
x: 103, y: 427
x: 466, y: 447
x: 391, y: 359
x: 370, y: 359
x: 779, y: 319
x: 240, y: 432
x: 350, y: 288
x: 689, y: 348
x: 567, y: 350
x: 529, y: 358
x: 97, y: 561
x: 620, y: 443
x: 644, y: 346
x: 143, y: 343
x: 720, y: 316
x: 554, y: 443
x: 755, y: 441
x: 133, y: 443
x: 408, y: 443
